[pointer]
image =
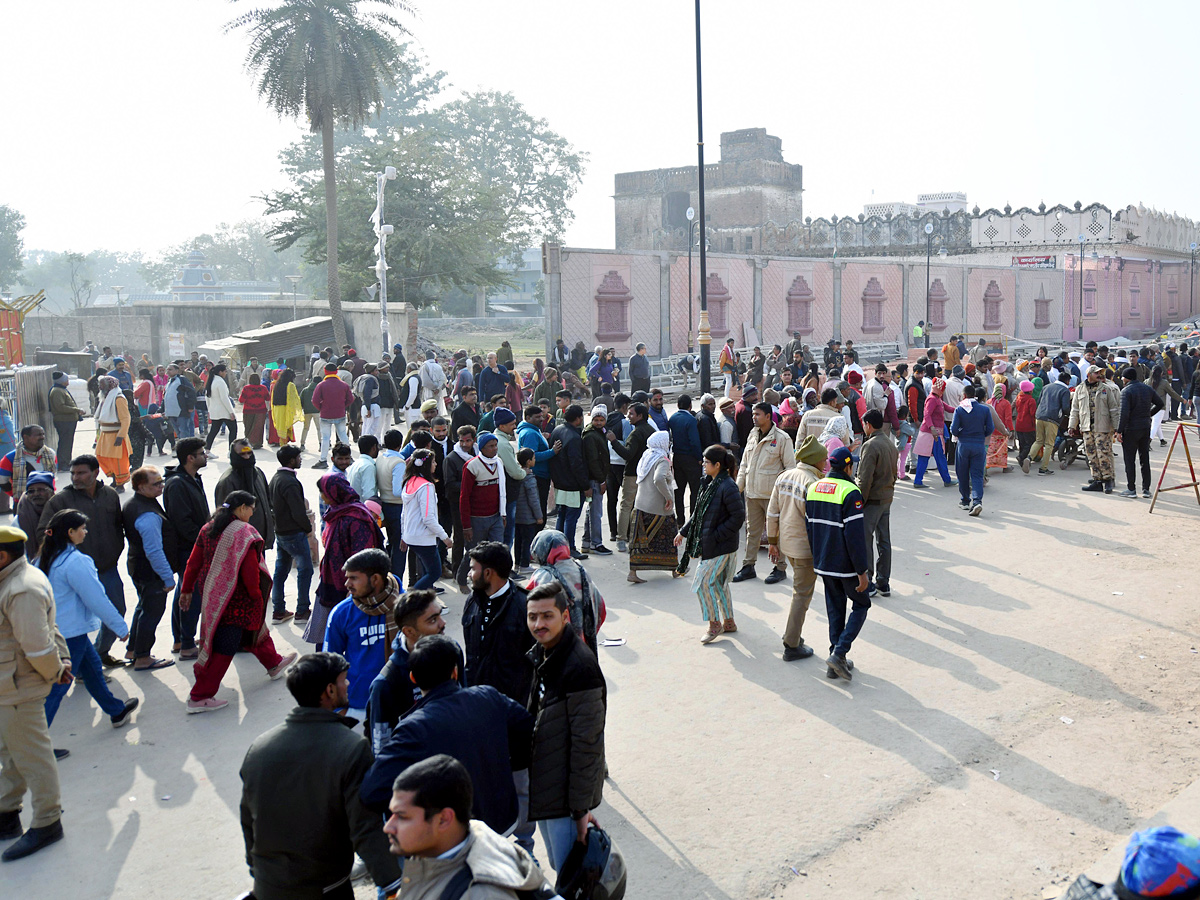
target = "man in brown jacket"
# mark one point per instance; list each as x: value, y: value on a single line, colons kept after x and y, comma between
x: 33, y: 656
x: 787, y: 537
x: 877, y: 464
x: 769, y: 453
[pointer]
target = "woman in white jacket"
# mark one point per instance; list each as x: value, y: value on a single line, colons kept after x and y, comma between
x: 419, y: 519
x: 220, y: 406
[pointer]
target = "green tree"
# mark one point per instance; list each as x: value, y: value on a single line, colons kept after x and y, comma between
x: 239, y: 252
x: 72, y: 280
x: 478, y: 179
x: 330, y: 60
x: 12, y: 248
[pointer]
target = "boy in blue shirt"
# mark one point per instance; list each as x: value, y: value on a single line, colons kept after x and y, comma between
x: 362, y: 627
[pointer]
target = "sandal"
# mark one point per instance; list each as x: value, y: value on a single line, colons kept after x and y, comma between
x: 194, y: 653
x: 155, y: 664
x: 729, y: 627
x: 714, y: 632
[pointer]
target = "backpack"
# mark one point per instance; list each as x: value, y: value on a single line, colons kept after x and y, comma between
x: 185, y: 394
x: 462, y: 881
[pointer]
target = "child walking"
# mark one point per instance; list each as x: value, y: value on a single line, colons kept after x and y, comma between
x: 529, y: 511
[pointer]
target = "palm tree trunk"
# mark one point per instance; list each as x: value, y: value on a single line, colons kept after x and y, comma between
x: 333, y: 285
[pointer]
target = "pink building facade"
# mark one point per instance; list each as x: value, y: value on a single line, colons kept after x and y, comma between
x: 619, y: 299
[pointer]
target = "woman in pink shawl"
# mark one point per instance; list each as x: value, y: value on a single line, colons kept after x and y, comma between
x: 160, y: 385
x: 349, y: 527
x: 932, y: 434
x: 997, y: 456
x: 228, y: 568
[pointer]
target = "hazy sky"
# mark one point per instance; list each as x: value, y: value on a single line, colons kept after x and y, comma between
x: 130, y: 124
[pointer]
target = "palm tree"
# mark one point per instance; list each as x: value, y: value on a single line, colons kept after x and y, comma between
x: 331, y: 61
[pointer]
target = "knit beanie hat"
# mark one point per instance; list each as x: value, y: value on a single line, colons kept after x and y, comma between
x: 503, y: 416
x: 484, y: 438
x: 61, y: 378
x: 1160, y: 862
x: 812, y: 453
x: 600, y: 410
x: 46, y: 478
x: 1026, y: 386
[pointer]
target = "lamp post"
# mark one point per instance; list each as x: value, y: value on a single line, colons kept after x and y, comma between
x: 381, y: 232
x: 1192, y: 286
x: 1082, y: 238
x: 293, y: 279
x: 120, y: 322
x: 691, y: 214
x: 705, y: 336
x: 928, y: 256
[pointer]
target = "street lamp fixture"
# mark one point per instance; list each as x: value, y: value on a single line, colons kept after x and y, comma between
x: 691, y: 214
x: 928, y: 256
x: 120, y: 322
x: 1082, y: 238
x: 1192, y: 276
x: 293, y: 279
x: 381, y: 232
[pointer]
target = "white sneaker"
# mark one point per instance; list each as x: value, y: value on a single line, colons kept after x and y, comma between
x: 212, y: 704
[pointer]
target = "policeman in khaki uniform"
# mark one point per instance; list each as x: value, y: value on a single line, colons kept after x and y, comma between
x: 769, y: 453
x: 33, y: 656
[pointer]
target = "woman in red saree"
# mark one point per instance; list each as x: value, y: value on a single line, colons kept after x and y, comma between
x: 227, y: 564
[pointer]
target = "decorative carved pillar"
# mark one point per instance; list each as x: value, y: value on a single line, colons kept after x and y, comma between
x: 873, y: 299
x: 1135, y: 297
x: 718, y: 306
x: 938, y: 298
x: 612, y: 308
x: 799, y: 306
x: 992, y: 298
x: 1041, y: 309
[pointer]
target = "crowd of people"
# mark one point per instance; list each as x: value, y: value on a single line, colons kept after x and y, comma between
x: 472, y: 474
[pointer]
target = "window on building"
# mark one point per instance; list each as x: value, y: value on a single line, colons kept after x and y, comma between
x: 729, y: 245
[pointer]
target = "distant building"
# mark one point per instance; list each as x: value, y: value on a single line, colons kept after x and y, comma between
x: 522, y: 298
x: 197, y: 280
x: 750, y: 186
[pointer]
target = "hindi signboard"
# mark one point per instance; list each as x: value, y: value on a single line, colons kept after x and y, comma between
x: 1033, y: 262
x: 175, y: 344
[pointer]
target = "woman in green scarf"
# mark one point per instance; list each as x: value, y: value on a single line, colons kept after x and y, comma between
x: 711, y: 535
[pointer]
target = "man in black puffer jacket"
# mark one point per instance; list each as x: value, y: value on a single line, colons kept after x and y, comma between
x: 1139, y: 403
x: 566, y: 771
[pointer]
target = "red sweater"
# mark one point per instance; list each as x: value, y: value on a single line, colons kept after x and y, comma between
x: 1025, y: 412
x: 480, y: 494
x: 332, y: 397
x: 247, y: 607
x: 254, y: 398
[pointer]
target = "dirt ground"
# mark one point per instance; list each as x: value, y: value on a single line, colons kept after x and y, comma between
x: 947, y: 767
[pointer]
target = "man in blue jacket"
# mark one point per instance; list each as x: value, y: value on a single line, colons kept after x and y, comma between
x: 971, y: 426
x: 419, y: 614
x: 490, y: 734
x: 361, y: 627
x: 686, y: 451
x: 493, y: 378
x: 833, y: 518
x: 530, y: 436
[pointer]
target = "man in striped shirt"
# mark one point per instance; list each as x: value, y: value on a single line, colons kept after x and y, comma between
x: 833, y: 512
x: 32, y: 455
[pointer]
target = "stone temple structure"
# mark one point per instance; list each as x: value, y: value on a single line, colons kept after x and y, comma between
x: 751, y: 185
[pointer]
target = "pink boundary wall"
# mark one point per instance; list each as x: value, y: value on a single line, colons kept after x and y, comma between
x: 858, y: 299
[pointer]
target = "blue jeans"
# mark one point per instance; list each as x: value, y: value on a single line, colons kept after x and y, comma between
x: 969, y: 463
x: 115, y: 590
x: 510, y: 522
x: 184, y: 622
x: 568, y: 517
x: 289, y: 548
x: 431, y: 565
x: 392, y: 515
x: 182, y: 425
x: 559, y: 836
x: 593, y: 532
x: 85, y: 664
x: 923, y: 463
x: 843, y: 631
x: 336, y: 426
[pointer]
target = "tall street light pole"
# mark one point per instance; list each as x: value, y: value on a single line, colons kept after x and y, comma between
x: 691, y: 215
x: 928, y: 256
x: 120, y: 321
x: 293, y: 279
x: 705, y: 336
x: 1082, y: 238
x: 1192, y: 288
x: 381, y: 232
